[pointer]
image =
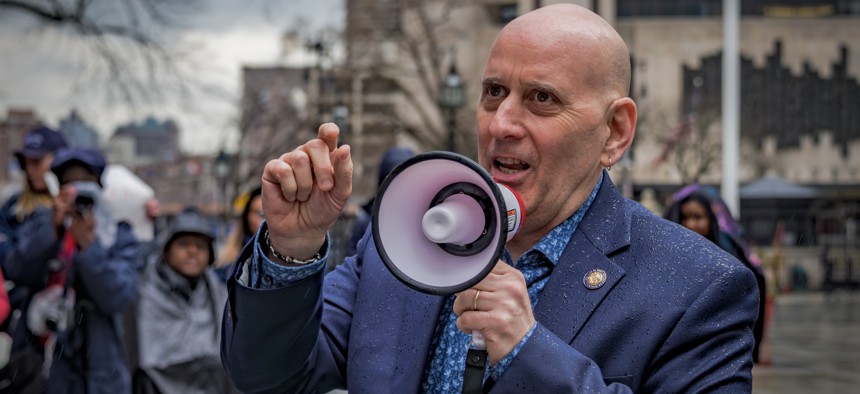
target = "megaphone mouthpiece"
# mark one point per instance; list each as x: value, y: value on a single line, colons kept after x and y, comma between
x: 473, y: 218
x: 440, y: 222
x: 454, y: 221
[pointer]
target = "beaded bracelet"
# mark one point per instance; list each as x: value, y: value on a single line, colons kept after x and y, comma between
x: 287, y: 259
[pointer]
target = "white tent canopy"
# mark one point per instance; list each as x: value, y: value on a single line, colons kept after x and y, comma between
x: 772, y: 187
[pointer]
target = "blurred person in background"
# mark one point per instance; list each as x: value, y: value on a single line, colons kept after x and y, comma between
x: 23, y: 373
x: 5, y: 338
x: 243, y: 230
x: 390, y: 159
x: 82, y: 268
x: 34, y: 158
x: 175, y: 341
x: 5, y: 308
x: 702, y: 210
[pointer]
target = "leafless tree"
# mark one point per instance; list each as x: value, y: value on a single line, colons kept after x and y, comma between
x: 134, y: 57
x: 692, y: 146
x: 275, y: 118
x: 423, y: 38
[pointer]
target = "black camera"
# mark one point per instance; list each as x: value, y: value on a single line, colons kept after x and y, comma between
x: 84, y: 203
x: 52, y: 322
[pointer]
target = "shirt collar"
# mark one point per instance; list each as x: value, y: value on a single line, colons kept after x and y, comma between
x: 553, y: 244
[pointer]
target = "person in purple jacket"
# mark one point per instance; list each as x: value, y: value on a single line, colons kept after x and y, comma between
x: 595, y: 294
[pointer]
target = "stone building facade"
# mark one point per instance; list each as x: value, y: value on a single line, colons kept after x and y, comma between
x: 17, y: 123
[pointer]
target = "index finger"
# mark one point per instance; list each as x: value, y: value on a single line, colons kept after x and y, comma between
x: 328, y: 132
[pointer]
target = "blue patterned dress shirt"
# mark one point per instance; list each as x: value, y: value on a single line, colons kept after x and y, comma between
x: 448, y: 360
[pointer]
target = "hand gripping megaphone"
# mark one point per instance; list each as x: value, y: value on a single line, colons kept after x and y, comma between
x: 440, y: 222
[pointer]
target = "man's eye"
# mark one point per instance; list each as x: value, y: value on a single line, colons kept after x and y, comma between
x: 494, y: 91
x: 543, y: 97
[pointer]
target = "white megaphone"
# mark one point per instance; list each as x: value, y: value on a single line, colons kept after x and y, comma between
x: 440, y: 222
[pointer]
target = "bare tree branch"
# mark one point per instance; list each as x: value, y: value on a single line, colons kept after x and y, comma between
x: 53, y: 15
x: 422, y: 40
x: 131, y: 47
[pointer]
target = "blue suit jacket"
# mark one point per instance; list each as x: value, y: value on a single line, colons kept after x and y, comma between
x: 675, y: 315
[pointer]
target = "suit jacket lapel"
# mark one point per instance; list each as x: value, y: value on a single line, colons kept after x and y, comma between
x: 566, y: 303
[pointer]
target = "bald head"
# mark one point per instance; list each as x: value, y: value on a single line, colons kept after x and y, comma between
x: 597, y: 48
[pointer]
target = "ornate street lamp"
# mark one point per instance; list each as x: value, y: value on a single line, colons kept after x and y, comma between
x: 340, y: 116
x: 222, y: 171
x: 451, y: 98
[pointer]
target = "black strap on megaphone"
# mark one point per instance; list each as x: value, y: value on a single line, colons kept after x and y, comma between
x: 473, y: 375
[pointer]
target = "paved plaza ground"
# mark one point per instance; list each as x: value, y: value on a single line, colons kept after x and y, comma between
x: 814, y: 345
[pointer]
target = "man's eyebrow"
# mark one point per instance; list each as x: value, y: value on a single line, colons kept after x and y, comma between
x: 544, y: 87
x: 490, y: 81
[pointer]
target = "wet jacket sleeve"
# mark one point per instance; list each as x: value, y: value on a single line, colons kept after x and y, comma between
x: 275, y: 340
x: 110, y: 275
x: 718, y: 322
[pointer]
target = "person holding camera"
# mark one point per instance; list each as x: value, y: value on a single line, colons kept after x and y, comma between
x: 82, y: 267
x: 23, y: 372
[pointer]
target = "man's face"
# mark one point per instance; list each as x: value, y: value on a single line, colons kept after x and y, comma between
x: 542, y: 127
x: 188, y: 255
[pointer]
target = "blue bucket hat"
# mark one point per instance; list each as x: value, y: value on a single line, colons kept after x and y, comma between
x: 38, y: 143
x: 88, y: 158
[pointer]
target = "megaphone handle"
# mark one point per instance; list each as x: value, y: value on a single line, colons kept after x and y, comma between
x: 478, y: 341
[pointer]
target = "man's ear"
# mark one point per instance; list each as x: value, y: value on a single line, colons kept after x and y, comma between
x: 622, y: 128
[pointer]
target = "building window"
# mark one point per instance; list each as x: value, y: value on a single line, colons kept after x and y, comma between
x: 770, y: 8
x: 501, y: 14
x: 507, y: 13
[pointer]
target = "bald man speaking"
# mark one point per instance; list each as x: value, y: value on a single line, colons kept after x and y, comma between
x: 595, y: 294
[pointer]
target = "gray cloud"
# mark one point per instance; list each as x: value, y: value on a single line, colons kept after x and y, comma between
x: 51, y: 70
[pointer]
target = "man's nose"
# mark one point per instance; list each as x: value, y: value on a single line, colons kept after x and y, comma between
x: 508, y: 118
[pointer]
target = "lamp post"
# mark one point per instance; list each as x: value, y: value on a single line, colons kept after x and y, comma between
x: 340, y: 115
x: 222, y: 170
x: 451, y: 98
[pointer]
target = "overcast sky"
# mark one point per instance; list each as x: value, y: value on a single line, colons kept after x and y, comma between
x: 50, y: 71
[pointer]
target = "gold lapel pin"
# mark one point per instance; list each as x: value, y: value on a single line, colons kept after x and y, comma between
x: 594, y: 279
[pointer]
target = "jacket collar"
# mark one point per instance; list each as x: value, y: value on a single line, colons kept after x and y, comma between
x: 604, y: 232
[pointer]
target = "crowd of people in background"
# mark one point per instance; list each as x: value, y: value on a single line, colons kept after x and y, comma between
x: 92, y: 309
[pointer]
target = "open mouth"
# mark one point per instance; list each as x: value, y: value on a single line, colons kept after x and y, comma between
x: 510, y: 166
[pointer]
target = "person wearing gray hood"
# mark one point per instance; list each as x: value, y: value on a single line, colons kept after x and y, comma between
x: 178, y: 315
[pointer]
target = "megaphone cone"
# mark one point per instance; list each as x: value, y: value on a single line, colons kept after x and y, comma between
x: 440, y: 222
